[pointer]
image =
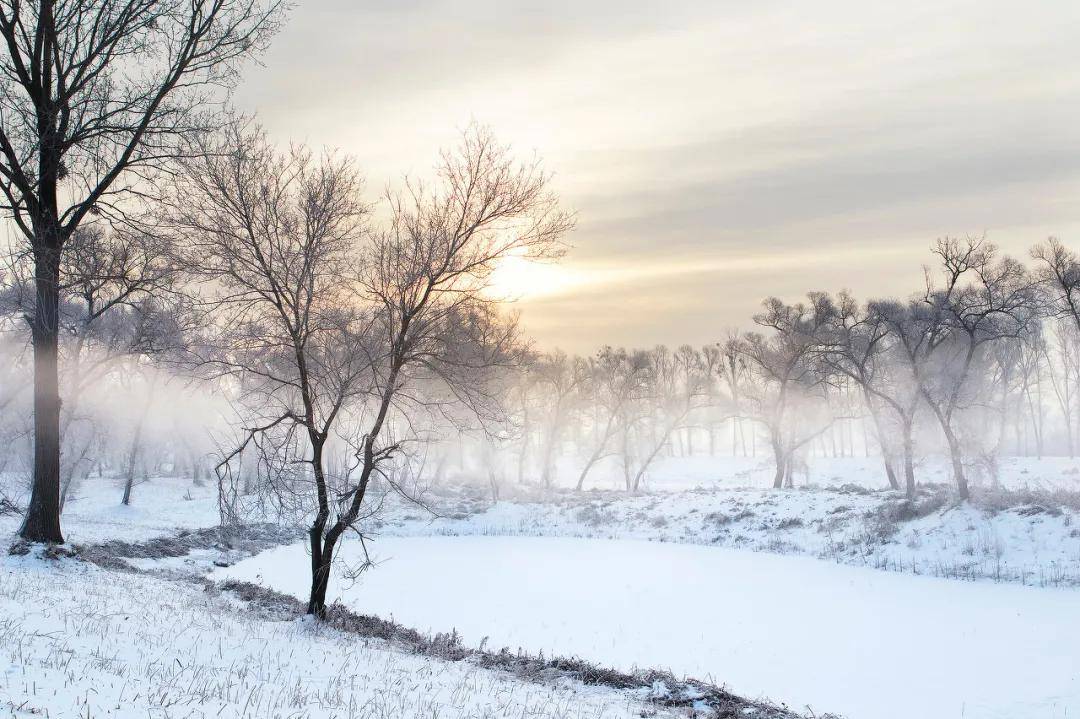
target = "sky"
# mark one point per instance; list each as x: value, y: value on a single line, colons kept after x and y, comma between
x: 716, y: 152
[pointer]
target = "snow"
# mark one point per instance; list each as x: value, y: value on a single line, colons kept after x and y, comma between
x: 1026, y: 544
x: 866, y: 644
x: 93, y: 512
x: 79, y: 641
x: 710, y: 574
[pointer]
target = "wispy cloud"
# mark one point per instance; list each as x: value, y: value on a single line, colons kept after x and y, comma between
x: 716, y: 152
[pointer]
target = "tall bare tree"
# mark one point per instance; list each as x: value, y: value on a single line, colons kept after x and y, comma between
x: 95, y: 98
x: 342, y: 329
x: 273, y: 238
x: 424, y: 282
x: 979, y: 299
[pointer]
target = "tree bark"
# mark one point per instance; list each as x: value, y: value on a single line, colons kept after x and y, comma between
x: 909, y: 461
x: 957, y: 465
x: 136, y: 445
x: 781, y: 462
x: 322, y: 554
x: 42, y: 521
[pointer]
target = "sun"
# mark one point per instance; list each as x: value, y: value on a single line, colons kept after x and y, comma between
x: 519, y: 278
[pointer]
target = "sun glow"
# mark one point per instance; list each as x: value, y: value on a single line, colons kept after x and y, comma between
x: 520, y: 278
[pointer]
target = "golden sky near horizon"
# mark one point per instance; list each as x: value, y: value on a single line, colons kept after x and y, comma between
x: 715, y: 152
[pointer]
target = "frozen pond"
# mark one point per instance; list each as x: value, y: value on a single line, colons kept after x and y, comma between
x: 866, y: 644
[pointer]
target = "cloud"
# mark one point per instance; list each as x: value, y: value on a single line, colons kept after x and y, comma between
x: 715, y: 152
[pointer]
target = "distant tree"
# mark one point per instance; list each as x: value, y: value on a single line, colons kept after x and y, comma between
x: 945, y: 333
x: 557, y: 379
x: 1057, y: 269
x: 860, y: 346
x: 119, y: 303
x: 617, y: 380
x: 734, y: 368
x: 790, y: 377
x: 1061, y: 358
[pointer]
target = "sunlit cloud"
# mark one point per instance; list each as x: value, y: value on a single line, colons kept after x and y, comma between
x: 742, y: 149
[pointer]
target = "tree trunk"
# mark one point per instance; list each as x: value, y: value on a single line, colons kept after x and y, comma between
x: 781, y: 462
x: 322, y: 552
x: 890, y: 471
x: 547, y: 469
x: 879, y: 433
x: 42, y: 521
x: 136, y: 444
x: 957, y: 465
x: 1069, y: 434
x: 909, y: 469
x: 626, y: 460
x: 129, y: 479
x: 322, y: 555
x: 585, y: 470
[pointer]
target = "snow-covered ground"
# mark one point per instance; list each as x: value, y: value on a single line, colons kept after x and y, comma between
x: 1036, y: 541
x: 93, y: 512
x: 739, y: 584
x: 77, y: 641
x: 866, y: 644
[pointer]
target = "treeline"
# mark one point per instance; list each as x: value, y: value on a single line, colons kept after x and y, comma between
x: 980, y: 362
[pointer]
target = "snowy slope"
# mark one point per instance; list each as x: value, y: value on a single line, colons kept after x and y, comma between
x: 1030, y: 543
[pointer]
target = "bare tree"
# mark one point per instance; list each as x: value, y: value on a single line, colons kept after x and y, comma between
x: 424, y: 282
x: 329, y: 319
x: 1058, y: 270
x: 861, y: 346
x: 95, y: 98
x: 791, y: 376
x: 733, y: 367
x: 1063, y: 371
x: 558, y: 378
x: 981, y: 299
x: 617, y: 379
x: 273, y: 237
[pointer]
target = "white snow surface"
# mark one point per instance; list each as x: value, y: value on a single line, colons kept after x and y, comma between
x: 739, y: 584
x: 77, y: 641
x: 863, y: 643
x: 1032, y: 544
x: 93, y: 512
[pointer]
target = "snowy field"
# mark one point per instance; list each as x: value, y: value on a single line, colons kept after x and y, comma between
x: 776, y: 594
x: 93, y: 512
x: 1029, y: 540
x: 81, y: 642
x: 866, y: 644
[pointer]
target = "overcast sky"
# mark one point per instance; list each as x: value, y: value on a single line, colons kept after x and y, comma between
x: 715, y: 152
